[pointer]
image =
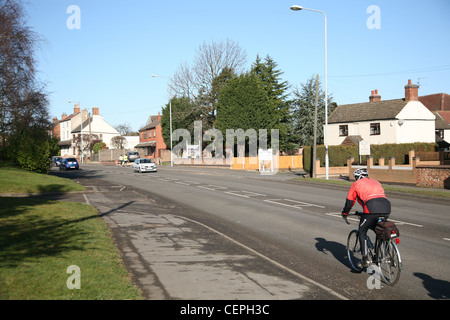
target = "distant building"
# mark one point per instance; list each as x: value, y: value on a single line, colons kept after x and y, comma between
x: 151, y: 141
x: 439, y: 104
x: 405, y: 120
x: 81, y: 129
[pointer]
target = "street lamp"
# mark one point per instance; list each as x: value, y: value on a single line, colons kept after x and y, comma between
x: 298, y: 8
x: 170, y: 115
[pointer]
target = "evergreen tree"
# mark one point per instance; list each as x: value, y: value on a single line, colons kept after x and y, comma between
x: 304, y: 106
x: 244, y: 104
x: 207, y: 100
x: 276, y: 90
x: 183, y: 116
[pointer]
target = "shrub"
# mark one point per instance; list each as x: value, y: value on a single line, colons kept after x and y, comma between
x: 31, y: 149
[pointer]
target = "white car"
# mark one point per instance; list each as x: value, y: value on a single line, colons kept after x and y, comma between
x: 144, y: 165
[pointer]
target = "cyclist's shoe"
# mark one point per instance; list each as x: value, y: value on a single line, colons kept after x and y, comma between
x: 364, y: 263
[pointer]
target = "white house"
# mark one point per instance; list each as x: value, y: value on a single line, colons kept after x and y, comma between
x: 378, y: 122
x: 75, y: 134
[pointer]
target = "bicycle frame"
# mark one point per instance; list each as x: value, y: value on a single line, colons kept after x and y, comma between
x: 384, y: 254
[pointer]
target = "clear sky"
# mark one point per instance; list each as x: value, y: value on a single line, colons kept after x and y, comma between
x: 108, y: 61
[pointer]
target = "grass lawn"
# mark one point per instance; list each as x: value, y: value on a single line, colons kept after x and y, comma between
x: 16, y: 180
x: 41, y: 239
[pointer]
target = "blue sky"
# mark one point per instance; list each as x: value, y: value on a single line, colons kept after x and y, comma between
x: 109, y: 60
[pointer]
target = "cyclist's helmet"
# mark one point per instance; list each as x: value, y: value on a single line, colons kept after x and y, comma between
x: 360, y: 173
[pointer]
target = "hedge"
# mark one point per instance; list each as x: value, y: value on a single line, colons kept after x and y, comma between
x: 338, y: 155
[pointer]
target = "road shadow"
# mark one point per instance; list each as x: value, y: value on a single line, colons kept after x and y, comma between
x: 336, y: 249
x: 437, y: 289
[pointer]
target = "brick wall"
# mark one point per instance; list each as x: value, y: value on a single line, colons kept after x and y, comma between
x: 417, y: 173
x: 433, y: 176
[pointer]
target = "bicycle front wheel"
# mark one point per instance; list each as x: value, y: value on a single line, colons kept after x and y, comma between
x: 388, y: 259
x: 354, y: 250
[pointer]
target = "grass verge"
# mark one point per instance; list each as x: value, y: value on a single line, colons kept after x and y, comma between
x: 40, y: 239
x: 17, y: 180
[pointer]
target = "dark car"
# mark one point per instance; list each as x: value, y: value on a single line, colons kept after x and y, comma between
x: 69, y: 163
x: 56, y: 161
x: 132, y: 155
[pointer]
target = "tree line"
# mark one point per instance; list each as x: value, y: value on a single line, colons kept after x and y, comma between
x: 220, y: 93
x: 24, y: 116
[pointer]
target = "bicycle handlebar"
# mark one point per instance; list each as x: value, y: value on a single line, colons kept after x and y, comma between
x: 357, y: 213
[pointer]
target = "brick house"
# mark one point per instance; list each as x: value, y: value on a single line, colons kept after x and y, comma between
x: 405, y: 120
x: 151, y: 141
x: 439, y: 104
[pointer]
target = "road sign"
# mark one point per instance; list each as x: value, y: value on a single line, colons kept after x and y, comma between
x: 265, y: 155
x: 364, y: 148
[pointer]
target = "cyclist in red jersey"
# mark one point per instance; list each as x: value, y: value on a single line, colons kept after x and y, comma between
x: 370, y: 195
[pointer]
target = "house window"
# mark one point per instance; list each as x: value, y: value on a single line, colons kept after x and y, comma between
x: 343, y: 130
x: 374, y: 129
x: 440, y: 133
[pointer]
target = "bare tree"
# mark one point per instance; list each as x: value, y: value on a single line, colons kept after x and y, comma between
x: 22, y: 102
x: 84, y: 142
x: 119, y: 142
x: 125, y: 130
x: 212, y: 60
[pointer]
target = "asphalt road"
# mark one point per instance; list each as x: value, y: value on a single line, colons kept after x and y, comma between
x: 202, y: 233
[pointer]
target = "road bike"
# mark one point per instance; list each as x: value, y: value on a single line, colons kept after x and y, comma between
x: 384, y: 254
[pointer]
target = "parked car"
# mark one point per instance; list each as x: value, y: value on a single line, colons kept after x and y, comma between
x: 144, y: 165
x: 132, y: 155
x: 56, y: 161
x: 69, y: 163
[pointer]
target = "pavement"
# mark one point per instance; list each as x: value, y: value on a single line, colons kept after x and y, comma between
x: 171, y: 257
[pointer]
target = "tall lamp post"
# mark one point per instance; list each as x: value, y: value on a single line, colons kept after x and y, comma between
x: 170, y: 115
x: 298, y: 8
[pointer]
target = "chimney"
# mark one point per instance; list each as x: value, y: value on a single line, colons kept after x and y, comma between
x: 159, y: 116
x: 375, y: 96
x: 95, y: 111
x: 76, y: 109
x: 411, y: 92
x: 63, y: 116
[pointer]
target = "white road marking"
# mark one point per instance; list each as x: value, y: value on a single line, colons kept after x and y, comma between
x: 245, y: 194
x: 212, y: 187
x: 296, y: 204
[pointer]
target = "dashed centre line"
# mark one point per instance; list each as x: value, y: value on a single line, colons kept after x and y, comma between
x: 245, y: 194
x: 292, y: 203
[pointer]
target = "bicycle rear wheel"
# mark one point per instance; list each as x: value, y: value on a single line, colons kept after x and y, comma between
x: 388, y: 259
x: 354, y: 250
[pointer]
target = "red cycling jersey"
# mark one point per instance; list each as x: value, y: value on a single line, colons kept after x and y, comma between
x: 363, y: 190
